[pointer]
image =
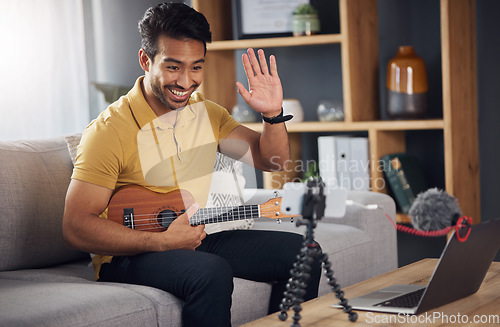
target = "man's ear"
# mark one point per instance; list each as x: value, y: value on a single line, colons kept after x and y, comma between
x: 144, y: 60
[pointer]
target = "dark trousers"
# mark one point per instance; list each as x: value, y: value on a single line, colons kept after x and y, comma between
x: 203, y: 279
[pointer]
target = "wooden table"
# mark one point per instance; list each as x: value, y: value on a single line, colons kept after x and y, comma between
x: 485, y: 304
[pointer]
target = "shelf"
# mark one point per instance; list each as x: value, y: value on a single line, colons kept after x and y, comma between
x: 382, y: 125
x: 403, y: 219
x: 290, y: 41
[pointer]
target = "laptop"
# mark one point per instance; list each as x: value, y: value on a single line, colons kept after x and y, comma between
x: 459, y: 273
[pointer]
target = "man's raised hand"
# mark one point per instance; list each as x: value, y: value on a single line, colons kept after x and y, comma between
x: 264, y: 94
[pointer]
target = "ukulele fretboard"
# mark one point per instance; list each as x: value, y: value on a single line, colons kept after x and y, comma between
x: 223, y: 214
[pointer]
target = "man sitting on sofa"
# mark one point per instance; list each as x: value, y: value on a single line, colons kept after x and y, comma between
x: 182, y: 260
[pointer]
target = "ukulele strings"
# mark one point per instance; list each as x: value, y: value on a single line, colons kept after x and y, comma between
x: 172, y: 215
x: 175, y: 214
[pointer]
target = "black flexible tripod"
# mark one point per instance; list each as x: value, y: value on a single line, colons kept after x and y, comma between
x: 313, y: 209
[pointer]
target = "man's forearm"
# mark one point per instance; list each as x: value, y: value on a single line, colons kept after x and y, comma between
x: 274, y: 146
x: 97, y: 235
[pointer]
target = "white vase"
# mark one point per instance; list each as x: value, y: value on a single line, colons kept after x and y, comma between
x: 244, y: 114
x: 330, y: 111
x: 293, y: 107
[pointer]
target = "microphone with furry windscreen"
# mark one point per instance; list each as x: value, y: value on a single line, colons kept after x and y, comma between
x: 435, y: 213
x: 433, y: 210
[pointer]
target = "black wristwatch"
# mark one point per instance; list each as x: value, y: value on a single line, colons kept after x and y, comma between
x: 277, y: 119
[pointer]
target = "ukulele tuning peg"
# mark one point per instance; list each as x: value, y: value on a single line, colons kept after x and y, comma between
x: 278, y: 221
x: 276, y: 194
x: 291, y: 220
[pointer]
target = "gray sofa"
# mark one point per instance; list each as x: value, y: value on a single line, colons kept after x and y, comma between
x: 44, y: 283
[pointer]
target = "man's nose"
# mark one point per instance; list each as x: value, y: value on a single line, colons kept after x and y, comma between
x: 184, y: 79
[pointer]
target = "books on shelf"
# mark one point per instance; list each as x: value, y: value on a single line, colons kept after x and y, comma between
x: 344, y: 162
x: 404, y: 177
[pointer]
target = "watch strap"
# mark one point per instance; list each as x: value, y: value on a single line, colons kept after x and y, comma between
x: 277, y: 119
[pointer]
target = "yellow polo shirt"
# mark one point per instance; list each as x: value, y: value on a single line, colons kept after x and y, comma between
x: 128, y: 144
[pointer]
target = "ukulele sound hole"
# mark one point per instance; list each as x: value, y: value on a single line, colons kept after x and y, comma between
x: 166, y: 217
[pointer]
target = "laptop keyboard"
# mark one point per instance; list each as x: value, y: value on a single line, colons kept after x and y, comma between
x: 409, y: 300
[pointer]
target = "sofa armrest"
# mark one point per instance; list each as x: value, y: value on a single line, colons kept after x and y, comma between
x: 376, y: 224
x: 357, y: 215
x: 360, y: 216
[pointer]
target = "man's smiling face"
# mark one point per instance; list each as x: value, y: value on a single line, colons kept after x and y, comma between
x: 176, y: 72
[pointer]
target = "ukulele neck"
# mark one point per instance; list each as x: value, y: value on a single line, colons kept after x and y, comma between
x: 222, y: 214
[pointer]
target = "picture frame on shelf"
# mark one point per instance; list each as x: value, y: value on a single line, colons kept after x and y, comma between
x: 263, y: 18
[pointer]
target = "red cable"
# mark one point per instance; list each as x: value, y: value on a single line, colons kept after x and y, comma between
x: 462, y: 223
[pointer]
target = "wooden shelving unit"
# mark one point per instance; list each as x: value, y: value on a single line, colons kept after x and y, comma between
x: 316, y: 126
x: 275, y: 42
x: 360, y: 65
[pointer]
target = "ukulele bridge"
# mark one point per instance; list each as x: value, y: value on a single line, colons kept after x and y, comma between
x: 128, y: 217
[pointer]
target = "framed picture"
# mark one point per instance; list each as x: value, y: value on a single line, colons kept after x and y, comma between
x: 263, y: 18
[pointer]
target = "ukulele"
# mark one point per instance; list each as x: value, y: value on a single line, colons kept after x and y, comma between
x: 139, y: 208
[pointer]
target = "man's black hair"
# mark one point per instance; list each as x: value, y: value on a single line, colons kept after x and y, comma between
x: 175, y: 20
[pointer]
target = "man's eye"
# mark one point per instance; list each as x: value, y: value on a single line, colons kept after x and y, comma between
x: 172, y: 68
x: 197, y: 68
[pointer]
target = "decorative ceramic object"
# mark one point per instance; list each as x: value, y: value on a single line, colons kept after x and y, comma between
x: 330, y: 111
x: 244, y: 114
x: 407, y: 86
x: 305, y: 21
x: 293, y: 107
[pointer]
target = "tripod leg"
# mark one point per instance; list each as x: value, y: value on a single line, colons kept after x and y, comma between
x: 296, y: 286
x: 332, y: 281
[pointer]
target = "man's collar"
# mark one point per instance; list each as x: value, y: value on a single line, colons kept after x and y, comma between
x: 140, y: 108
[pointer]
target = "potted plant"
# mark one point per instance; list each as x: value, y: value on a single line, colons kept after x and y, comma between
x: 305, y: 20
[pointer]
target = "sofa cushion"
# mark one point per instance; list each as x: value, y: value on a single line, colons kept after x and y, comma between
x: 75, y: 272
x: 250, y: 302
x: 33, y: 182
x: 26, y: 303
x: 250, y: 299
x: 73, y: 141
